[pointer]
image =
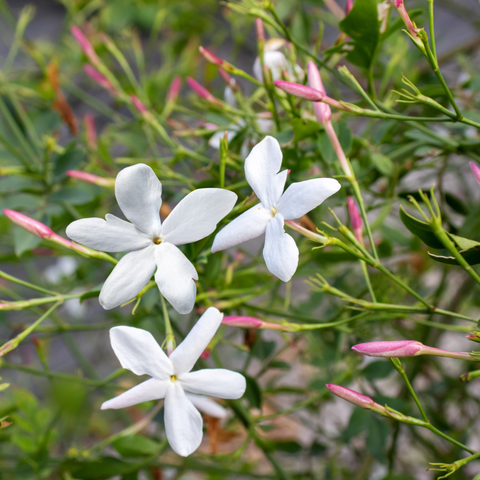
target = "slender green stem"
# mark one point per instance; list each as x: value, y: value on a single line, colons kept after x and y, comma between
x: 367, y: 280
x: 399, y: 368
x: 169, y: 336
x: 10, y: 278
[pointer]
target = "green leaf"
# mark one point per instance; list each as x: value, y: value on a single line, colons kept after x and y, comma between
x: 471, y: 256
x: 377, y: 369
x: 24, y: 241
x: 421, y: 229
x: 101, y: 469
x: 303, y: 128
x: 253, y: 394
x: 135, y: 446
x: 456, y: 204
x: 383, y: 164
x: 464, y: 243
x: 73, y: 195
x: 69, y: 160
x: 284, y: 137
x: 363, y: 27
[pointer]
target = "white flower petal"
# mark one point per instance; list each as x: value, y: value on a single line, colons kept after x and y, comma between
x: 152, y: 389
x: 112, y: 235
x: 280, y: 251
x: 188, y: 352
x: 176, y: 277
x: 139, y: 352
x: 216, y: 382
x: 197, y: 215
x: 183, y: 422
x: 261, y: 170
x: 207, y: 406
x: 300, y: 198
x: 139, y: 195
x: 128, y: 277
x: 250, y: 224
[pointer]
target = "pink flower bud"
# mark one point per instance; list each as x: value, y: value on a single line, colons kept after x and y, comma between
x: 355, y: 218
x: 33, y: 226
x: 476, y: 170
x: 406, y: 348
x: 228, y: 79
x: 210, y: 57
x: 322, y: 110
x: 174, y: 89
x: 250, y: 322
x: 301, y: 91
x: 348, y: 6
x: 90, y: 131
x: 41, y: 230
x: 260, y: 29
x: 91, y: 178
x: 395, y: 349
x: 137, y: 103
x: 85, y: 45
x: 97, y: 77
x: 351, y: 396
x: 205, y: 354
x: 398, y: 4
x: 202, y: 91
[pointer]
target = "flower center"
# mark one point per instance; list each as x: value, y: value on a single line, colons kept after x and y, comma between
x: 157, y: 240
x: 274, y: 211
x: 173, y: 378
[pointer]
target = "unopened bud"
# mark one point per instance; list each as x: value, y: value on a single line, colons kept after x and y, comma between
x: 210, y: 57
x: 100, y: 79
x: 202, y: 91
x: 474, y: 337
x: 348, y: 6
x: 301, y: 91
x: 406, y: 348
x: 250, y: 322
x: 475, y: 170
x: 260, y: 29
x: 352, y: 396
x: 355, y: 218
x: 322, y: 111
x: 230, y: 81
x: 91, y: 178
x: 85, y: 45
x: 137, y: 103
x: 174, y: 89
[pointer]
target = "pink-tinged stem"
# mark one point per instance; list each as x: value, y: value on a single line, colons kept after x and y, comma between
x: 406, y: 348
x: 174, y: 89
x: 355, y: 219
x: 91, y: 178
x: 101, y: 80
x: 202, y: 91
x: 316, y: 237
x: 85, y: 45
x: 475, y: 170
x: 250, y: 322
x: 400, y: 7
x: 41, y: 230
x: 332, y: 135
x: 90, y: 131
x: 322, y: 110
x: 228, y: 79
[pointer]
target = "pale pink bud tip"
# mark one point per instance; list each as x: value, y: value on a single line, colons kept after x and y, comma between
x: 351, y: 396
x: 348, y: 6
x: 322, y: 110
x: 260, y: 30
x: 174, y: 89
x: 205, y: 354
x: 395, y: 349
x: 137, y: 103
x: 90, y: 178
x: 99, y: 78
x: 301, y: 91
x: 33, y: 226
x: 210, y: 57
x: 355, y: 218
x: 476, y: 170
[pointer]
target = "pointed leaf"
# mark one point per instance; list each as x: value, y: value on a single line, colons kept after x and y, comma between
x: 420, y: 229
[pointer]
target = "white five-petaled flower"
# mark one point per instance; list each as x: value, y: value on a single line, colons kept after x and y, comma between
x: 137, y: 350
x: 150, y: 243
x: 261, y: 169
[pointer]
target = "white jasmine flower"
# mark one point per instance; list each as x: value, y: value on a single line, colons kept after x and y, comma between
x: 276, y: 62
x: 152, y: 245
x: 261, y: 169
x: 207, y: 406
x: 137, y: 351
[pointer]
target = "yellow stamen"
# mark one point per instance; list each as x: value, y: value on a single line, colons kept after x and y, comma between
x: 173, y: 378
x: 157, y: 240
x: 274, y: 210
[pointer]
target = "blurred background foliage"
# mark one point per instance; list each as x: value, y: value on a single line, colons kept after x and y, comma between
x: 55, y: 381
